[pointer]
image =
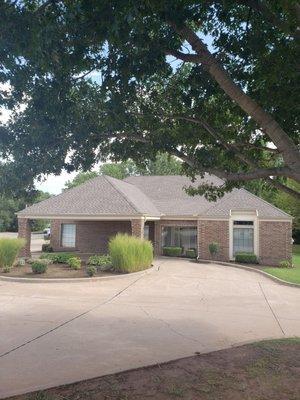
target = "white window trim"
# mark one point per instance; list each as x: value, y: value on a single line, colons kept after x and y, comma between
x: 244, y: 217
x: 61, y: 233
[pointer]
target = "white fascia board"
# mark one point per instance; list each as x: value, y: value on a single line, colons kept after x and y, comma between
x: 80, y: 217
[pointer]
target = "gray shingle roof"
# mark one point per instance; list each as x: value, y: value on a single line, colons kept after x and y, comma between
x: 102, y: 195
x: 168, y: 195
x: 148, y: 195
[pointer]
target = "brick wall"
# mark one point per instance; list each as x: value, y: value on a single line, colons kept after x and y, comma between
x: 213, y: 231
x: 24, y: 232
x: 91, y: 236
x: 137, y: 228
x: 275, y: 242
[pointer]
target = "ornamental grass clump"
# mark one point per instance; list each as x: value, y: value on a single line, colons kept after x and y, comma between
x: 130, y: 254
x: 9, y: 250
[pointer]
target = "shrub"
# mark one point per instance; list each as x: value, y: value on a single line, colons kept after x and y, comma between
x: 247, y: 258
x: 74, y: 263
x: 213, y: 248
x: 47, y: 248
x: 6, y: 270
x: 39, y: 267
x: 172, y: 251
x: 191, y: 253
x: 102, y: 262
x: 9, y: 249
x: 286, y: 264
x: 129, y: 253
x: 91, y: 270
x: 58, y: 258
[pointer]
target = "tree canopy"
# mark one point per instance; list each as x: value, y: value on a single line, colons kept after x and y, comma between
x: 162, y: 165
x: 213, y: 82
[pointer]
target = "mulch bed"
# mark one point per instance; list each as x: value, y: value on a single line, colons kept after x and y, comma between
x: 53, y: 271
x: 267, y: 370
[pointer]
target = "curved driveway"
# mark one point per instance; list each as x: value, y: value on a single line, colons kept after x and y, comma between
x: 56, y: 333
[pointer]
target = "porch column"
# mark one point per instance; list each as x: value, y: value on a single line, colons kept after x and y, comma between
x: 137, y: 227
x: 24, y: 232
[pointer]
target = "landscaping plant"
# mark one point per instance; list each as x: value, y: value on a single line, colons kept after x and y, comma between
x: 9, y: 250
x: 172, y: 251
x: 214, y: 248
x: 74, y: 263
x: 286, y: 264
x: 47, y: 248
x: 101, y: 262
x: 130, y: 254
x: 58, y: 258
x: 91, y: 270
x: 191, y: 253
x: 247, y: 258
x: 39, y: 266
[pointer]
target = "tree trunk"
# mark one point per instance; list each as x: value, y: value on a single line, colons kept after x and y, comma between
x: 265, y: 121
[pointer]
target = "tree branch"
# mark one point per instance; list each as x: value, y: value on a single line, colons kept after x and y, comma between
x: 233, y: 177
x: 271, y: 17
x: 183, y: 56
x: 242, y: 157
x: 283, y: 142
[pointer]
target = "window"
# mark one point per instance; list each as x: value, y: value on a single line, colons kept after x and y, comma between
x: 243, y: 237
x: 146, y: 232
x: 184, y: 237
x: 68, y: 235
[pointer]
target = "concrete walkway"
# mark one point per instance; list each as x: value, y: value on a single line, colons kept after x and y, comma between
x: 52, y: 334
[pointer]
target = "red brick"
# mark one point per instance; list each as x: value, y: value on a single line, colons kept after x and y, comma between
x: 213, y: 231
x: 24, y: 232
x: 275, y: 242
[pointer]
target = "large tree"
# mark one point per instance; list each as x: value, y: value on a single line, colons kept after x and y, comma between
x: 213, y: 82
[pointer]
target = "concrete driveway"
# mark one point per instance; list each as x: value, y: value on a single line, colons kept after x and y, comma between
x: 56, y: 333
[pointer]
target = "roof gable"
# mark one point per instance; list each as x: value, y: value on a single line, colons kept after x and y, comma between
x: 98, y: 196
x: 151, y: 196
x: 168, y: 195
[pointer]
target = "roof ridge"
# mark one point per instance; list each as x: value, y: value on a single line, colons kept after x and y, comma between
x: 265, y: 201
x: 122, y: 193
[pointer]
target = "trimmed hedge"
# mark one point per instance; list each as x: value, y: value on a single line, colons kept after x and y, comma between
x: 247, y: 258
x: 9, y: 250
x: 58, y: 258
x: 172, y: 251
x: 47, y: 248
x: 191, y: 253
x: 129, y: 253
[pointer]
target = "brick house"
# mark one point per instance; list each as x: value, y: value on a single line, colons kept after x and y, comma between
x: 157, y: 207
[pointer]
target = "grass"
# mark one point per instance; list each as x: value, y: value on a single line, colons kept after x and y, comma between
x: 130, y: 254
x: 291, y: 275
x: 266, y: 370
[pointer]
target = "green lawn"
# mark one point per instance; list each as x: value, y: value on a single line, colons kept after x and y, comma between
x: 290, y: 275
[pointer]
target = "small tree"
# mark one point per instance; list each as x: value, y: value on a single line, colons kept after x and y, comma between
x: 214, y: 249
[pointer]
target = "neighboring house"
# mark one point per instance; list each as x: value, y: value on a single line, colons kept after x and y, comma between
x: 158, y: 208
